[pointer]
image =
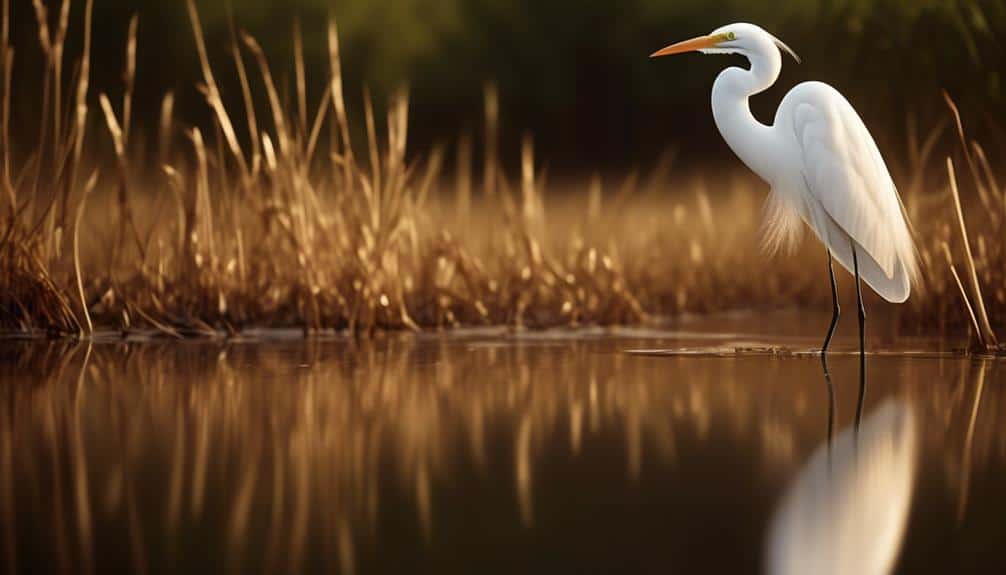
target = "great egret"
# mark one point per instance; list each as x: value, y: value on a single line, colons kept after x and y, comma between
x: 822, y: 164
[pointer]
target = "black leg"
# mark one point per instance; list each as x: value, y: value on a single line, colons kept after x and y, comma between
x: 862, y: 339
x: 859, y: 299
x: 836, y: 310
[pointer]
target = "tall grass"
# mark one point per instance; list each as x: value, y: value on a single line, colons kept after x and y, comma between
x: 298, y: 225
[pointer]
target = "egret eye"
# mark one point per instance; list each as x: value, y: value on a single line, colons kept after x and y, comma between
x: 731, y: 36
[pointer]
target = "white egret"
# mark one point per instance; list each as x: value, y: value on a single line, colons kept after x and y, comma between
x: 822, y: 164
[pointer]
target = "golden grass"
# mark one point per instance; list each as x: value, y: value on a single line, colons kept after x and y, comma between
x: 288, y: 229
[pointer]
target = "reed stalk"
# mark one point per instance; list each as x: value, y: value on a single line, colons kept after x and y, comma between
x: 212, y: 92
x: 88, y: 188
x: 985, y: 334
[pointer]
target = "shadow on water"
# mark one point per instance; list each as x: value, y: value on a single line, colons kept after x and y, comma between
x: 456, y: 454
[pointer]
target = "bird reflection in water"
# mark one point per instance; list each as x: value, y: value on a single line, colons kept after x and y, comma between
x: 847, y: 510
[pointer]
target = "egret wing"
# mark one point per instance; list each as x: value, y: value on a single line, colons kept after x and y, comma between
x: 845, y: 172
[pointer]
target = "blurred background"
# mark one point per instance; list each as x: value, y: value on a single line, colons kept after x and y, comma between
x: 574, y: 73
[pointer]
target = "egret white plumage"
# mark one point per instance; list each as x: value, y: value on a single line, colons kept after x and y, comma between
x: 822, y: 164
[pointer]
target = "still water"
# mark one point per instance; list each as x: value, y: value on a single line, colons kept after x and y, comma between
x: 488, y: 452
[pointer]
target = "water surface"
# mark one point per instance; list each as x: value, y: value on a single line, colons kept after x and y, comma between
x: 488, y: 452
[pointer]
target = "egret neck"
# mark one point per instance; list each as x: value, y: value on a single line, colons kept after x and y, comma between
x: 753, y: 142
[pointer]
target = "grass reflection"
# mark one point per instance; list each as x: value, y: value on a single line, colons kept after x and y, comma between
x: 294, y: 456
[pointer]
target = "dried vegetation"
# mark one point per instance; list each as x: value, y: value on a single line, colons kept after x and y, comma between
x: 291, y: 228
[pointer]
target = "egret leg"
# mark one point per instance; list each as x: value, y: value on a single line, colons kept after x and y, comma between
x: 859, y: 300
x: 836, y: 310
x: 862, y: 340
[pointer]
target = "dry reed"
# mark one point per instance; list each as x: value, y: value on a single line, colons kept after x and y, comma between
x: 288, y: 230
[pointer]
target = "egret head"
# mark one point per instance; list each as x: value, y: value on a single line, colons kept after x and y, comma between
x: 744, y: 39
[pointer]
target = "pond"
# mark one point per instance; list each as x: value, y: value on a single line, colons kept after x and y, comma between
x: 709, y: 448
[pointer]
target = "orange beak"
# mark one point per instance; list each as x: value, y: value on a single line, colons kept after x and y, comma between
x: 692, y: 45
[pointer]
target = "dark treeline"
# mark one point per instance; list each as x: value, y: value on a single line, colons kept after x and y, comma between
x: 575, y: 73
